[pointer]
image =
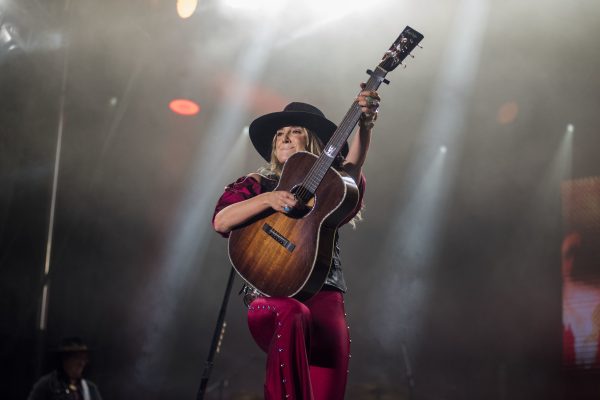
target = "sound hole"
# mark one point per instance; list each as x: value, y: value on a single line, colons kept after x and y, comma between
x: 306, y: 201
x: 302, y: 194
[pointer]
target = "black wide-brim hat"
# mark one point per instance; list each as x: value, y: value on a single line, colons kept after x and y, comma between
x: 72, y: 345
x: 262, y: 129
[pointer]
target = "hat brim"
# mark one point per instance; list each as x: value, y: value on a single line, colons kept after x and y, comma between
x: 72, y: 349
x: 263, y: 129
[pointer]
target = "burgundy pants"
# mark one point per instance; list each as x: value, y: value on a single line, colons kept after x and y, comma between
x: 307, y: 345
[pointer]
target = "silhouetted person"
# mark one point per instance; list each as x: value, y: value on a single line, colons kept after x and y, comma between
x: 66, y: 381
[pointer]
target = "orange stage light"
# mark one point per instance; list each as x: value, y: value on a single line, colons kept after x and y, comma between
x: 184, y: 107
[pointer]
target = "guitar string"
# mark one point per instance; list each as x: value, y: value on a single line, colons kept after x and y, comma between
x: 323, y: 164
x: 346, y: 125
x: 319, y: 168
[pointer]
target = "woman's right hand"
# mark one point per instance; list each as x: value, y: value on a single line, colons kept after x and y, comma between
x: 280, y: 200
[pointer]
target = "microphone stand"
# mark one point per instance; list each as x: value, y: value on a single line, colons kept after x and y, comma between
x: 409, y: 375
x: 217, y: 338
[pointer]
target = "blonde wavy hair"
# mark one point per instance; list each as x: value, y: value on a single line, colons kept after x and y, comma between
x: 315, y: 146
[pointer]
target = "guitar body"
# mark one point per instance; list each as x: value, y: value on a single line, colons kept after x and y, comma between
x: 289, y: 255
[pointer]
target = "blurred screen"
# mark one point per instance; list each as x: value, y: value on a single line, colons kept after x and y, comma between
x: 580, y: 266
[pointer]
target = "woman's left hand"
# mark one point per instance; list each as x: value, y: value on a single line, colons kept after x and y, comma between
x: 368, y: 100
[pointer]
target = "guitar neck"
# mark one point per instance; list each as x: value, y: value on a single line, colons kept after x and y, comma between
x: 345, y: 128
x: 341, y: 135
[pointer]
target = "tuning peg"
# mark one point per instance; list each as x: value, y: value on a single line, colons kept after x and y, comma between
x: 411, y: 56
x: 419, y: 46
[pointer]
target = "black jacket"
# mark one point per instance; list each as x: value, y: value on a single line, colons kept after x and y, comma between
x: 54, y: 387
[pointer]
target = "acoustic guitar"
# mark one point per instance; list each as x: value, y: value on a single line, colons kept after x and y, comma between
x: 289, y: 255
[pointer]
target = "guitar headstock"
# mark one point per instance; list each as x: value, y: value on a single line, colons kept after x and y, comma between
x: 400, y: 49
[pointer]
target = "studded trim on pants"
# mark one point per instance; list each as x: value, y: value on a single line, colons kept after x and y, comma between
x: 307, y: 345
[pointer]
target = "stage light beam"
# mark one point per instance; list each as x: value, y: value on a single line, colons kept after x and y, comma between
x: 190, y: 233
x: 414, y: 231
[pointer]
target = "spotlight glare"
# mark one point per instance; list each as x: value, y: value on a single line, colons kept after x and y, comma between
x: 186, y: 8
x: 443, y: 149
x: 246, y: 131
x: 570, y: 129
x: 184, y: 107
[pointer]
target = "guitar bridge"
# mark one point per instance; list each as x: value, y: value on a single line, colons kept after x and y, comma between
x: 279, y: 238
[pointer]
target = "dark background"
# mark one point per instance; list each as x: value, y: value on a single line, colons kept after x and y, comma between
x: 456, y: 264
